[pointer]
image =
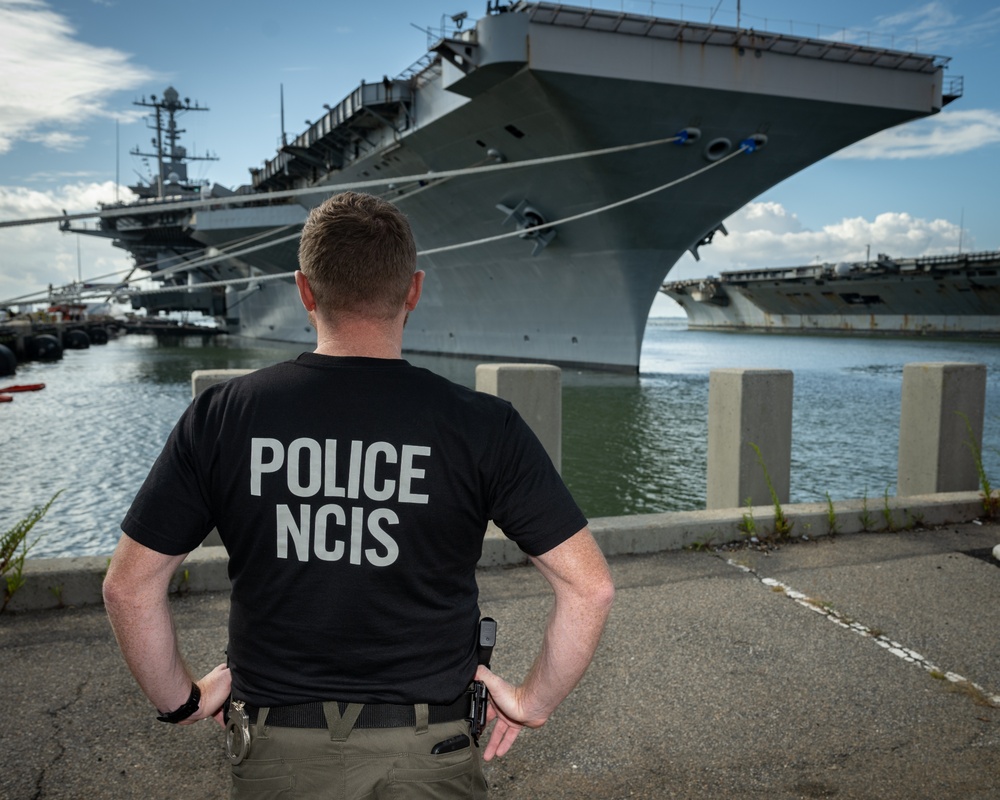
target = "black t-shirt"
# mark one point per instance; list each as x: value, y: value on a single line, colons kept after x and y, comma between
x: 352, y: 495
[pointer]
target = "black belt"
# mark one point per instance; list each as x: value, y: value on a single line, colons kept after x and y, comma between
x: 373, y: 715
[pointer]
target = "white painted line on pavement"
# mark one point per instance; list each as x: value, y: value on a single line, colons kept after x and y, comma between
x: 898, y: 650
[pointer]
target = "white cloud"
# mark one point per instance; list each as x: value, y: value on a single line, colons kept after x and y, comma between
x: 768, y: 215
x: 928, y: 17
x: 934, y: 26
x: 768, y: 235
x: 57, y: 140
x: 36, y: 255
x: 53, y: 82
x: 946, y: 134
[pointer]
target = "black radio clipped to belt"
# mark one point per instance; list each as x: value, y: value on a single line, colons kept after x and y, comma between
x: 480, y: 695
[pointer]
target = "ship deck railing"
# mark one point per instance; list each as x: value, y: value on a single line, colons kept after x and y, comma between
x: 989, y: 260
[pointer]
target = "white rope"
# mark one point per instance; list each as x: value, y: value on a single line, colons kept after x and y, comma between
x: 585, y: 214
x: 132, y: 210
x: 461, y: 245
x: 206, y: 261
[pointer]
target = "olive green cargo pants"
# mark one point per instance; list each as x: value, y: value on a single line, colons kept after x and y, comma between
x: 342, y: 763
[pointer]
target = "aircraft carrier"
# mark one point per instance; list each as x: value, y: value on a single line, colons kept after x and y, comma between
x: 554, y: 162
x: 944, y: 296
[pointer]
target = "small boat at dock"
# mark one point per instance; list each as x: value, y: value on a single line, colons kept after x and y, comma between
x: 6, y: 392
x: 25, y: 387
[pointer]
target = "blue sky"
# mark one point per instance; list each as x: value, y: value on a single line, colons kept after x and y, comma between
x: 70, y: 70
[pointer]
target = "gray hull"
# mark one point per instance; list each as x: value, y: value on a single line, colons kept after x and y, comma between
x: 936, y: 296
x: 545, y: 80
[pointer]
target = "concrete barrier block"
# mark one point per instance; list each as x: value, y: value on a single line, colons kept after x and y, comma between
x: 499, y: 551
x: 535, y: 390
x: 941, y: 415
x: 748, y: 407
x: 206, y: 569
x: 201, y: 379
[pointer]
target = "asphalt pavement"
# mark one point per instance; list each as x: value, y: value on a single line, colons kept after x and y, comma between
x: 853, y: 666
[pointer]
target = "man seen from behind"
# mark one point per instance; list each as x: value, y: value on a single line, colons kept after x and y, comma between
x: 352, y: 492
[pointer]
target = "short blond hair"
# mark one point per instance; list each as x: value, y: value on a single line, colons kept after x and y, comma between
x: 358, y: 253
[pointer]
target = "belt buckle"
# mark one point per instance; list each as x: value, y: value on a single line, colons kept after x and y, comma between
x: 237, y: 733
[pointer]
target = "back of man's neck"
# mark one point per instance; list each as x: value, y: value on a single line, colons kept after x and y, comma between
x: 364, y: 341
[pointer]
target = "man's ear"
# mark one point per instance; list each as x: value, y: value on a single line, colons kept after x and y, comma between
x: 305, y: 291
x: 416, y: 287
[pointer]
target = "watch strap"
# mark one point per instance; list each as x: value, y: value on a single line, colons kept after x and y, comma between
x: 185, y: 710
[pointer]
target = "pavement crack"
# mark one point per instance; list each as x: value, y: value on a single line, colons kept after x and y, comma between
x: 58, y: 737
x: 976, y: 692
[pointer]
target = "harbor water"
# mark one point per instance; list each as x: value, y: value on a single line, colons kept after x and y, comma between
x: 632, y: 444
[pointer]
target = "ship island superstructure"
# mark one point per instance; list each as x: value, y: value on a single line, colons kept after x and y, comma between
x: 603, y: 144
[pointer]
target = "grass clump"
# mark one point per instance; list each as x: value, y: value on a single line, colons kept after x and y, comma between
x: 832, y: 526
x: 14, y: 547
x: 747, y: 526
x: 782, y: 525
x: 890, y: 523
x: 991, y: 499
x: 865, y: 517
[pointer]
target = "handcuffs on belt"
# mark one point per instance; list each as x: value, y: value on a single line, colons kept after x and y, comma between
x: 237, y: 733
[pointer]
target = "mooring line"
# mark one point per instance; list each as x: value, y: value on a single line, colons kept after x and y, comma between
x: 900, y: 651
x: 222, y: 255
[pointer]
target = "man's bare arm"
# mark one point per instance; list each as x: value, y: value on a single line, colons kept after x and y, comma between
x: 135, y: 595
x: 584, y: 592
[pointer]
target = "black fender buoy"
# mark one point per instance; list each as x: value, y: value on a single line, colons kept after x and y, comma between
x: 98, y: 335
x: 76, y: 339
x: 8, y: 361
x: 44, y: 347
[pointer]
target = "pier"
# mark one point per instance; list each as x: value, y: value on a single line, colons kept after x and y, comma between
x: 856, y: 657
x: 46, y: 340
x: 720, y: 675
x: 170, y: 331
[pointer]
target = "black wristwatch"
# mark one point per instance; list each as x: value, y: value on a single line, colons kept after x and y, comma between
x: 185, y: 710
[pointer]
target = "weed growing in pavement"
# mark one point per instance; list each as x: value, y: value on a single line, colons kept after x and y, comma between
x: 57, y: 592
x: 832, y: 526
x: 782, y: 525
x: 747, y: 525
x: 991, y: 500
x: 701, y: 544
x: 865, y: 517
x: 14, y: 547
x: 970, y: 690
x: 183, y: 581
x: 890, y: 523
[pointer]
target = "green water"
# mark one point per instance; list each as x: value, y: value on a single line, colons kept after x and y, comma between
x: 631, y: 444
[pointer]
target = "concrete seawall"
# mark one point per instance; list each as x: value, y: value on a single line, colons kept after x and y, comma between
x: 55, y: 582
x: 744, y: 406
